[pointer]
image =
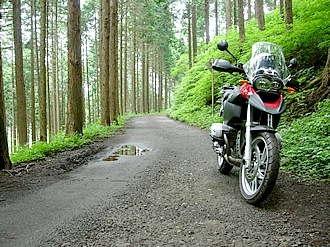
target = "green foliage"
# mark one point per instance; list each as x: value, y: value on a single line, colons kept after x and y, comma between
x: 306, y: 144
x: 60, y: 142
x: 308, y: 40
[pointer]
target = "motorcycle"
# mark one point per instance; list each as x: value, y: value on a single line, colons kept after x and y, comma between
x: 251, y: 112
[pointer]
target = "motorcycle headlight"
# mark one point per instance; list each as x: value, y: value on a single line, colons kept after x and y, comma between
x: 267, y: 84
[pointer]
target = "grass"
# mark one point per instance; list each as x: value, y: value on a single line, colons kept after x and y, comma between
x: 60, y: 142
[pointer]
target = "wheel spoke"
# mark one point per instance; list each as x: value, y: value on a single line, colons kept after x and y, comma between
x: 252, y: 176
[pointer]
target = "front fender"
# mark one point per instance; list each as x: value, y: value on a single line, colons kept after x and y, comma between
x: 262, y: 128
x: 265, y: 128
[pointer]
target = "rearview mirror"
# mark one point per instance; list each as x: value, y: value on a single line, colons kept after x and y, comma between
x: 293, y: 63
x: 223, y: 45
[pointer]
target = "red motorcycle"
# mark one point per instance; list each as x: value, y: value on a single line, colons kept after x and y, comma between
x: 251, y: 112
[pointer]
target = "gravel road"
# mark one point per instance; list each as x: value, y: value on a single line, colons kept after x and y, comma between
x: 170, y: 195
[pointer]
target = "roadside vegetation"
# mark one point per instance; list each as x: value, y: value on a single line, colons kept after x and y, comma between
x: 60, y: 142
x: 305, y: 126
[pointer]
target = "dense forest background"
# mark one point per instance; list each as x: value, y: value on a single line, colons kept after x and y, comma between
x: 73, y: 67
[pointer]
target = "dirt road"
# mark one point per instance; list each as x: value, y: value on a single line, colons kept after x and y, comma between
x: 171, y: 194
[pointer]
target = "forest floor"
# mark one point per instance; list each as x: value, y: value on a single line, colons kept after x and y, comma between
x: 178, y: 199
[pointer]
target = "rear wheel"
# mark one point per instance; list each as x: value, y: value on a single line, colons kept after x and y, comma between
x: 257, y: 180
x: 223, y: 166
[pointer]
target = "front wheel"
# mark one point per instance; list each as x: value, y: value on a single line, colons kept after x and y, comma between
x: 257, y: 180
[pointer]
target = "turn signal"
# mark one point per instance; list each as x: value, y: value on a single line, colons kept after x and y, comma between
x: 243, y: 82
x: 290, y: 90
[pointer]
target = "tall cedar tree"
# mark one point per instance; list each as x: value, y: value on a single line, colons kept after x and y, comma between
x: 20, y: 87
x: 260, y: 15
x: 228, y: 14
x: 113, y: 61
x: 104, y: 62
x: 5, y: 162
x: 288, y: 14
x: 75, y: 90
x: 42, y: 79
x: 188, y: 6
x: 207, y: 21
x: 240, y: 13
x: 194, y: 29
x: 32, y: 91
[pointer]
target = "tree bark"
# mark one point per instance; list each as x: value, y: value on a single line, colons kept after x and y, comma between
x: 75, y: 90
x: 241, y: 28
x: 259, y: 8
x: 125, y: 98
x: 189, y: 35
x: 228, y: 14
x: 207, y: 21
x: 133, y: 71
x: 281, y: 8
x: 5, y: 162
x: 113, y: 60
x: 288, y: 14
x: 216, y: 14
x: 32, y: 94
x: 20, y: 87
x: 42, y: 79
x: 104, y: 62
x: 194, y: 29
x: 249, y: 12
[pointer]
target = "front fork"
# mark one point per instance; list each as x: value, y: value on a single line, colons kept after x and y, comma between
x: 248, y: 137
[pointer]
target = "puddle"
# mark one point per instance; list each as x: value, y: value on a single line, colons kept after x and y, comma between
x: 111, y: 158
x: 126, y: 150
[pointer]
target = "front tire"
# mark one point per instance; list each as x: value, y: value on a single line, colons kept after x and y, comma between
x: 257, y: 181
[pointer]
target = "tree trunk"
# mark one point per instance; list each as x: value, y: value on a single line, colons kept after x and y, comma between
x: 235, y: 12
x: 133, y: 80
x: 89, y: 87
x: 113, y: 60
x: 189, y: 35
x: 125, y: 98
x: 259, y: 8
x: 97, y: 61
x: 32, y: 94
x: 20, y: 87
x: 56, y: 105
x: 240, y: 11
x: 228, y: 14
x: 160, y: 86
x: 207, y: 21
x: 75, y: 90
x: 155, y: 79
x: 288, y: 14
x: 216, y: 14
x: 249, y: 11
x: 194, y: 29
x: 5, y: 162
x: 104, y: 62
x: 144, y: 78
x: 13, y: 108
x: 42, y: 80
x: 281, y: 8
x: 121, y: 69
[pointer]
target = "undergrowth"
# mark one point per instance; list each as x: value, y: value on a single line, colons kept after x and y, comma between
x: 306, y: 144
x: 60, y: 142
